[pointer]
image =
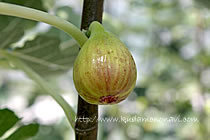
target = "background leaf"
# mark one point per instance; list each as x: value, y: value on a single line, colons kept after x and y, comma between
x: 7, y: 120
x: 44, y: 55
x: 26, y: 24
x: 24, y: 132
x: 47, y: 54
x: 12, y: 28
x: 10, y: 35
x: 68, y: 14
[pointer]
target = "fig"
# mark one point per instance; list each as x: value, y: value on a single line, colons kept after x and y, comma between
x: 104, y: 71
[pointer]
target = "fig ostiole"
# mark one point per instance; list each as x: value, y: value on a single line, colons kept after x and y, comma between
x: 104, y: 71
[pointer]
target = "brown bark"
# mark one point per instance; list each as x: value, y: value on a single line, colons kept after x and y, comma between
x: 86, y: 125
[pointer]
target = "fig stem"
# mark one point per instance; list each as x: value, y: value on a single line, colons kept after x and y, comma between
x: 37, y: 15
x: 96, y: 27
x: 68, y: 110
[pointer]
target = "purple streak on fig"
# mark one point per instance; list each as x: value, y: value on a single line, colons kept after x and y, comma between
x: 104, y: 71
x: 108, y: 99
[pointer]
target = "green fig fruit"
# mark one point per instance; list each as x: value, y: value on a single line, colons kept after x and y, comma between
x: 104, y: 71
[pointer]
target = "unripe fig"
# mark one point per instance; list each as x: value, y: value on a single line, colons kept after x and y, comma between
x: 104, y: 71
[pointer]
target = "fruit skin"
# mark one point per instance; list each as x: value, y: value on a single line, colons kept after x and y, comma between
x: 104, y: 71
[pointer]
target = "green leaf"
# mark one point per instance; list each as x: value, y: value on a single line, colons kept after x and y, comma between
x: 44, y: 55
x: 68, y: 14
x: 6, y: 20
x: 36, y: 4
x: 10, y: 35
x: 7, y: 120
x: 4, y: 64
x: 12, y: 28
x: 203, y: 3
x: 24, y: 132
x: 140, y: 91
